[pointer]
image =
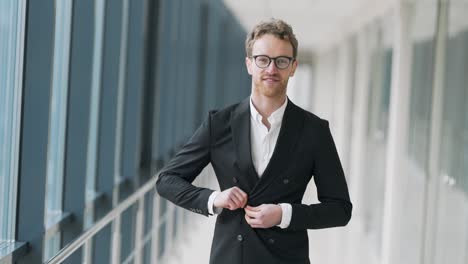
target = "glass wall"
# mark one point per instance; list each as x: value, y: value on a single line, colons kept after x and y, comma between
x: 92, y: 72
x: 12, y: 25
x: 95, y: 102
x: 452, y: 208
x: 57, y: 124
x: 377, y: 124
x: 412, y: 230
x: 58, y: 110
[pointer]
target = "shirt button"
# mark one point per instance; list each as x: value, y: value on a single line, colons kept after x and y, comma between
x: 240, y: 238
x: 286, y: 181
x: 271, y: 241
x: 234, y: 179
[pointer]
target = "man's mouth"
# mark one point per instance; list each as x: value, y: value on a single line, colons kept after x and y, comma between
x: 271, y: 79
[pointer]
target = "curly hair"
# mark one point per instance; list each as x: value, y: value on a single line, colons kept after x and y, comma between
x: 276, y: 27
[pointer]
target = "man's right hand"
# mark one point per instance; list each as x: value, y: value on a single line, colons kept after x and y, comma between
x: 232, y: 199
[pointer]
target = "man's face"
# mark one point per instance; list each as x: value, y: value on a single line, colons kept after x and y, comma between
x: 271, y: 81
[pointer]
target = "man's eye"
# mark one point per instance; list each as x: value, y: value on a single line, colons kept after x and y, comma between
x: 282, y: 61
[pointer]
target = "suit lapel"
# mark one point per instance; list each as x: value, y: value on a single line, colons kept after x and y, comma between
x: 240, y: 126
x: 291, y: 129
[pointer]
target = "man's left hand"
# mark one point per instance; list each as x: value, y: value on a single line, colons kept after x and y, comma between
x: 263, y: 216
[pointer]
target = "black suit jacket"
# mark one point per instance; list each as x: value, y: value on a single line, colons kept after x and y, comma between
x: 305, y: 148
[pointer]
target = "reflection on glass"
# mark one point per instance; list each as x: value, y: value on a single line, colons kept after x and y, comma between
x: 95, y: 100
x: 411, y: 232
x: 93, y: 132
x: 11, y: 53
x: 452, y: 208
x: 377, y: 124
x: 57, y: 120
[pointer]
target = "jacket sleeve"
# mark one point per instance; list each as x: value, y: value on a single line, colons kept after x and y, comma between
x: 335, y: 206
x: 175, y: 179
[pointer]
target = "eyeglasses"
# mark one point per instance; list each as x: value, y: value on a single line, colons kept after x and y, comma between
x: 281, y: 62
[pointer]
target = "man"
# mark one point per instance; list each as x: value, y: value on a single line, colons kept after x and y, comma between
x: 264, y: 151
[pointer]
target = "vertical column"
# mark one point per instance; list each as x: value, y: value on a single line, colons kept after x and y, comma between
x: 117, y: 163
x: 358, y: 144
x: 397, y: 131
x: 155, y: 232
x: 433, y: 164
x: 81, y: 57
x: 342, y: 94
x: 139, y: 236
x: 35, y: 127
x: 107, y: 125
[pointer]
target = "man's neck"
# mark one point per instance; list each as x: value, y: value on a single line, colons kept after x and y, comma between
x: 267, y: 105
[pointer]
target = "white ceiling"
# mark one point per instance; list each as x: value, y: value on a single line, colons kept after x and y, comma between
x: 317, y: 23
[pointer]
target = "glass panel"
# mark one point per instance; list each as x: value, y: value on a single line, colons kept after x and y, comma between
x: 421, y: 81
x: 99, y: 15
x: 148, y: 212
x: 411, y: 230
x: 93, y: 132
x: 57, y: 120
x: 12, y: 24
x: 52, y: 244
x: 452, y: 221
x: 349, y: 122
x: 378, y: 108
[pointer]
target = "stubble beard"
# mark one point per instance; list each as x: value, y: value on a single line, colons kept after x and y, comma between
x: 271, y: 91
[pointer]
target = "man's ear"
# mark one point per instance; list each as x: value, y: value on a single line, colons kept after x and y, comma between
x: 294, y: 66
x: 248, y: 65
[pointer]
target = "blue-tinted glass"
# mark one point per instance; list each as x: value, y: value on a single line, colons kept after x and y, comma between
x: 57, y: 121
x: 95, y: 100
x: 12, y: 19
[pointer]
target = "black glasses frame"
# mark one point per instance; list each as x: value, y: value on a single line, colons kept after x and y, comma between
x: 290, y: 59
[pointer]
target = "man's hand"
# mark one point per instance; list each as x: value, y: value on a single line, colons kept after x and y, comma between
x: 232, y: 199
x: 263, y: 216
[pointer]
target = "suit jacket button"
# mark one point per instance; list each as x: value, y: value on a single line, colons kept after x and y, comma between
x: 234, y: 179
x: 286, y: 181
x: 271, y: 241
x: 240, y: 238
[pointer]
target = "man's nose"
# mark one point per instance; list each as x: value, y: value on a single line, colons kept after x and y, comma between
x: 272, y: 67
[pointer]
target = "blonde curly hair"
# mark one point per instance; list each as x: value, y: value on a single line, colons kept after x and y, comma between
x: 276, y: 27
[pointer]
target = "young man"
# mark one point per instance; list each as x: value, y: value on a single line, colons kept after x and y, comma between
x: 264, y: 151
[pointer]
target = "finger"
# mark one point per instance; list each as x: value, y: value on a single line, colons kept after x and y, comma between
x: 240, y: 193
x: 236, y: 200
x: 247, y: 219
x: 252, y: 214
x: 245, y: 203
x: 245, y: 199
x: 241, y: 198
x: 252, y: 221
x: 251, y: 208
x: 232, y: 204
x: 257, y: 226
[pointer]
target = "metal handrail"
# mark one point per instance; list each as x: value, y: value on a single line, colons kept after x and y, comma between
x: 98, y: 226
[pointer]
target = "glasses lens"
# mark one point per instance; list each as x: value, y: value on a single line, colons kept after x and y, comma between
x: 262, y: 61
x: 282, y: 62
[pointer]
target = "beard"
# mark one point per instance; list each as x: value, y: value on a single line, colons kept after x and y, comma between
x: 271, y: 85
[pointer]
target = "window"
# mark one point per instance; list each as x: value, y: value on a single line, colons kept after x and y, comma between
x: 95, y: 99
x: 381, y: 57
x: 450, y: 228
x: 57, y: 122
x: 12, y: 19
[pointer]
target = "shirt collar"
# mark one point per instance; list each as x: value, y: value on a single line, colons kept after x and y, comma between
x: 275, y: 118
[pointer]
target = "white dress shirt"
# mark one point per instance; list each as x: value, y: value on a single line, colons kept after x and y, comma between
x: 263, y: 142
